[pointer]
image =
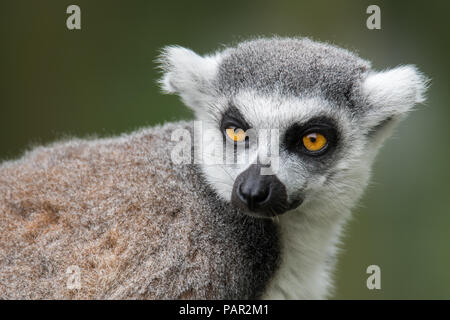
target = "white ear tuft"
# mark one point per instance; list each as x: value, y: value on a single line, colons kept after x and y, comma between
x: 390, y: 95
x: 395, y: 91
x: 187, y: 74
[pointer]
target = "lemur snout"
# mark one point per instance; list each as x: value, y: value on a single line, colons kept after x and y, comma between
x: 263, y: 194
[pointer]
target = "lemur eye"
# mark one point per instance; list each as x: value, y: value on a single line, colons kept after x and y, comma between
x: 314, y: 141
x: 235, y: 134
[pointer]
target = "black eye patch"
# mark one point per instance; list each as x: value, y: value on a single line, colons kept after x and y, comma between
x: 232, y: 118
x: 293, y: 137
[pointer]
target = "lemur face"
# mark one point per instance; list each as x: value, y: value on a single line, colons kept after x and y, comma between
x: 279, y: 152
x: 289, y: 122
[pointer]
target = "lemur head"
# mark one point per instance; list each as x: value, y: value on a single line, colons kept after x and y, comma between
x: 288, y: 122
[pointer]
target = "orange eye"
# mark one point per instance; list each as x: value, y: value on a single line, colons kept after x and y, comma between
x: 235, y: 134
x: 314, y: 141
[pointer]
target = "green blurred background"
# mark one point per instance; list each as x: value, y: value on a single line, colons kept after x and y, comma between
x: 101, y: 80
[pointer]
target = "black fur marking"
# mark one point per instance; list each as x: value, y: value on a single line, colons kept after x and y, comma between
x: 293, y: 141
x: 232, y: 117
x: 252, y: 245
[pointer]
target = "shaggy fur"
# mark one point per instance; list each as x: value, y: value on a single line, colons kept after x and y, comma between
x: 137, y: 226
x: 297, y: 67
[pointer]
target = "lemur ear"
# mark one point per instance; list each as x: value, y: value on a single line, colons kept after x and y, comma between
x: 189, y: 75
x: 390, y: 95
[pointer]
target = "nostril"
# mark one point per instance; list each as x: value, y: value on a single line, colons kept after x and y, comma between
x: 260, y: 195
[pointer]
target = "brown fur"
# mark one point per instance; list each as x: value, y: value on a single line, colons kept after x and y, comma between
x: 136, y: 225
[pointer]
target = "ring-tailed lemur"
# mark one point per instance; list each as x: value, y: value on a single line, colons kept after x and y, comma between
x: 138, y: 225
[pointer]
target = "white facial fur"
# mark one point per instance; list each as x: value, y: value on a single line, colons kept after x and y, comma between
x: 280, y: 113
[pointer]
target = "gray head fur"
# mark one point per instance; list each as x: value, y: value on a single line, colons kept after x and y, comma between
x: 293, y: 67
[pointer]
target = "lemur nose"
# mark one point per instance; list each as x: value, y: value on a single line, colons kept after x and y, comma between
x: 259, y: 193
x: 254, y: 193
